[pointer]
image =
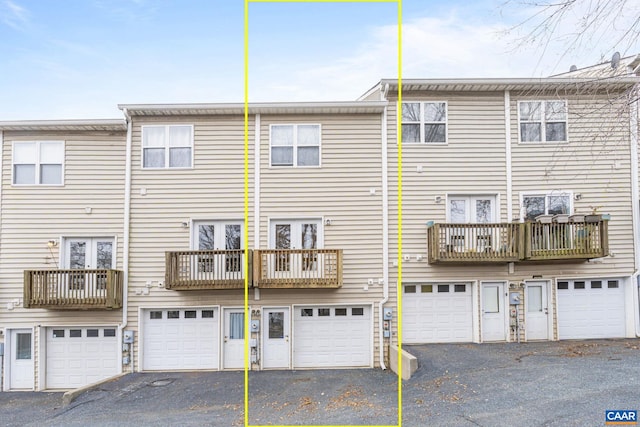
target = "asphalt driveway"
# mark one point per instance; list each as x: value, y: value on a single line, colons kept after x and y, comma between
x: 532, y: 384
x: 569, y: 383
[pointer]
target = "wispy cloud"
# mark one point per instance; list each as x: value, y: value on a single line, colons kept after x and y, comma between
x: 14, y: 15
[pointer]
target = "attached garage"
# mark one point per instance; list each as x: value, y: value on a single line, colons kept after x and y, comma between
x: 436, y: 313
x: 77, y: 356
x: 591, y: 309
x: 332, y: 336
x: 180, y: 338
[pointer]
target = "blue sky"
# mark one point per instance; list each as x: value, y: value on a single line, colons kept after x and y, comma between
x: 80, y: 58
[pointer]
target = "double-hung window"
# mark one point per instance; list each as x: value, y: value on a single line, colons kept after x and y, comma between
x: 295, y: 145
x: 424, y: 122
x: 545, y: 204
x: 543, y: 121
x: 168, y: 146
x: 38, y: 163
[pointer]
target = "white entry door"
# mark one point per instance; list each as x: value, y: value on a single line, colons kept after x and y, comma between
x: 21, y: 370
x: 89, y: 253
x: 218, y: 236
x: 296, y: 234
x: 493, y: 314
x: 275, y: 338
x: 536, y: 311
x: 233, y: 343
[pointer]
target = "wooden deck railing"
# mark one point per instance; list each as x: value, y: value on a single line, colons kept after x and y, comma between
x: 558, y: 241
x: 474, y: 243
x: 206, y: 269
x: 73, y: 289
x: 517, y: 242
x: 297, y: 268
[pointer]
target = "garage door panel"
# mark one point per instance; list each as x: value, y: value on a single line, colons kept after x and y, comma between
x: 586, y: 311
x: 181, y: 342
x: 433, y: 316
x: 87, y: 357
x: 333, y: 340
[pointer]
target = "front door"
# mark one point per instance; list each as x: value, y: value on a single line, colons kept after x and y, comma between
x: 275, y: 338
x: 536, y: 311
x: 21, y: 370
x: 233, y: 344
x: 493, y: 314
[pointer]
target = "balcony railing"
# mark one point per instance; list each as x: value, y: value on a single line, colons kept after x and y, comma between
x: 73, y: 289
x: 458, y: 243
x: 558, y: 241
x: 517, y: 242
x: 206, y: 269
x: 297, y: 268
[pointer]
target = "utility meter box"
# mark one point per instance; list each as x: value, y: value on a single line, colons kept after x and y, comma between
x: 127, y: 337
x: 255, y: 325
x: 514, y: 298
x: 387, y: 314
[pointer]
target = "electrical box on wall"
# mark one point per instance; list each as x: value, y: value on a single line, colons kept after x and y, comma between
x: 514, y: 298
x: 387, y: 314
x: 127, y: 337
x: 255, y: 326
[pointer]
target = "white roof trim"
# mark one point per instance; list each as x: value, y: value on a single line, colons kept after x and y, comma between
x: 66, y: 125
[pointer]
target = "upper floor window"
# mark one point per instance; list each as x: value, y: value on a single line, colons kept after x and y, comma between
x: 543, y: 121
x: 424, y: 122
x: 295, y: 145
x: 168, y: 146
x: 38, y: 163
x: 545, y: 204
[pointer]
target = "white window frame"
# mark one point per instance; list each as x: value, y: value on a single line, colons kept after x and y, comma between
x: 470, y: 198
x: 546, y: 195
x: 295, y: 145
x: 167, y: 146
x: 219, y: 225
x: 543, y: 121
x: 37, y: 163
x: 295, y: 224
x: 422, y: 123
x: 64, y: 248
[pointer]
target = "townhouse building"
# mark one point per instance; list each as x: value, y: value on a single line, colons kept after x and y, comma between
x: 126, y: 245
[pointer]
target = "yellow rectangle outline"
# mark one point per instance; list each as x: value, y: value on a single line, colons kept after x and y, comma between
x: 246, y: 195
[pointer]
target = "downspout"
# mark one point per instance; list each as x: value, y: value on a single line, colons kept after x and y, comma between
x: 256, y: 191
x: 385, y: 228
x: 635, y: 202
x: 507, y: 154
x: 127, y: 209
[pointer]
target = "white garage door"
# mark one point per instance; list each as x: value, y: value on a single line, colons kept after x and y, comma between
x: 436, y: 313
x: 331, y: 336
x: 591, y: 309
x: 77, y: 356
x: 180, y: 338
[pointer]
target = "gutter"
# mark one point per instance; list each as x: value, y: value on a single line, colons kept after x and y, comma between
x: 127, y: 219
x: 385, y: 228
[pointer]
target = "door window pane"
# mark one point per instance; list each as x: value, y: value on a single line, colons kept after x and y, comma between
x: 236, y: 326
x: 104, y: 255
x: 283, y: 241
x: 276, y: 324
x: 77, y: 254
x: 23, y: 346
x: 483, y: 211
x: 458, y: 211
x: 534, y: 299
x: 490, y: 299
x: 206, y: 234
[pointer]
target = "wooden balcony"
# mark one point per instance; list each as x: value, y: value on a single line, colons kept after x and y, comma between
x: 474, y: 243
x: 297, y: 268
x: 517, y: 242
x: 207, y: 269
x: 73, y: 289
x: 566, y: 241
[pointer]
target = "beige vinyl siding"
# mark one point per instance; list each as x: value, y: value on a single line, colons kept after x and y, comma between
x: 32, y: 215
x: 472, y: 162
x: 212, y: 190
x: 594, y: 163
x: 339, y: 190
